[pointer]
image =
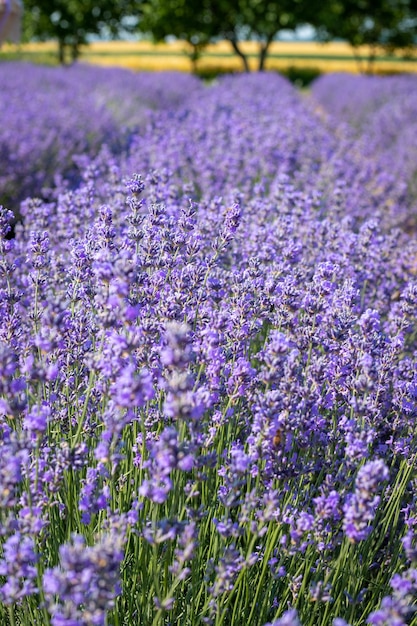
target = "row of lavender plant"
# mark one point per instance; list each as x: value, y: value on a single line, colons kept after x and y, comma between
x: 208, y: 380
x: 381, y: 113
x: 49, y: 116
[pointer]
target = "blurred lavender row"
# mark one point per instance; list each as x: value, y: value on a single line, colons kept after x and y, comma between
x: 381, y: 113
x: 49, y: 115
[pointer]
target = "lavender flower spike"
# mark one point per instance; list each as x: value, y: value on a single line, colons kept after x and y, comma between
x: 83, y: 588
x: 360, y: 507
x: 290, y: 618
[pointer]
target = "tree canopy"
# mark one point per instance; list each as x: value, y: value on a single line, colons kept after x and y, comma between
x: 388, y: 23
x: 183, y: 19
x: 72, y: 21
x: 199, y: 22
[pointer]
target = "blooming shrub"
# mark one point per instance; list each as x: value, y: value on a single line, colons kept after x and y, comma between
x: 208, y: 378
x: 382, y: 115
x: 50, y: 115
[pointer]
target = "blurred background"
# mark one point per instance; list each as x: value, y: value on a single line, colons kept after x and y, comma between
x: 301, y: 38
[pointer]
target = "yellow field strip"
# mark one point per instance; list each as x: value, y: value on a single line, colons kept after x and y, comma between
x: 145, y: 55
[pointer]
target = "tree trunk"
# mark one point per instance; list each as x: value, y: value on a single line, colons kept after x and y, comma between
x: 263, y: 53
x: 61, y: 52
x: 240, y: 53
x: 358, y: 59
x: 371, y: 60
x: 75, y: 51
x: 194, y: 56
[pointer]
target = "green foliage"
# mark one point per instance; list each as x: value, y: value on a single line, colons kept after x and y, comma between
x: 390, y: 24
x: 70, y: 22
x: 201, y: 22
x: 301, y: 76
x: 387, y: 23
x: 180, y: 18
x: 210, y: 74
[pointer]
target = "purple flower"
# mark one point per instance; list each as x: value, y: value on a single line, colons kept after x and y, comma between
x: 227, y: 571
x: 84, y: 586
x: 132, y: 389
x: 391, y: 613
x: 36, y: 420
x: 185, y: 550
x: 240, y: 378
x: 12, y: 457
x: 409, y: 544
x: 328, y: 507
x: 95, y: 493
x: 135, y: 184
x: 156, y: 489
x: 18, y: 566
x: 289, y: 618
x: 360, y: 507
x: 177, y: 351
x: 167, y: 454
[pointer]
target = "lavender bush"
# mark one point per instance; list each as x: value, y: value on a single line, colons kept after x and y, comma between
x: 381, y: 114
x: 208, y: 378
x: 49, y: 116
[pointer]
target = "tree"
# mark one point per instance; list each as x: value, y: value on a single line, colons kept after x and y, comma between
x: 199, y: 22
x: 71, y: 21
x: 184, y: 19
x: 259, y: 20
x: 388, y: 24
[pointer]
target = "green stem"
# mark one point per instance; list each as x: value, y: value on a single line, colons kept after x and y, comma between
x: 11, y: 616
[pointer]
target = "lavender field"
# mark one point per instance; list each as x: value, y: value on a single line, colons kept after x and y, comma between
x: 208, y: 344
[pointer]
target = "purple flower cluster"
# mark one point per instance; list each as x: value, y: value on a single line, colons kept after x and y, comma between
x: 360, y: 507
x: 208, y: 369
x: 379, y: 114
x: 86, y: 582
x: 399, y: 607
x: 51, y: 116
x: 18, y: 567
